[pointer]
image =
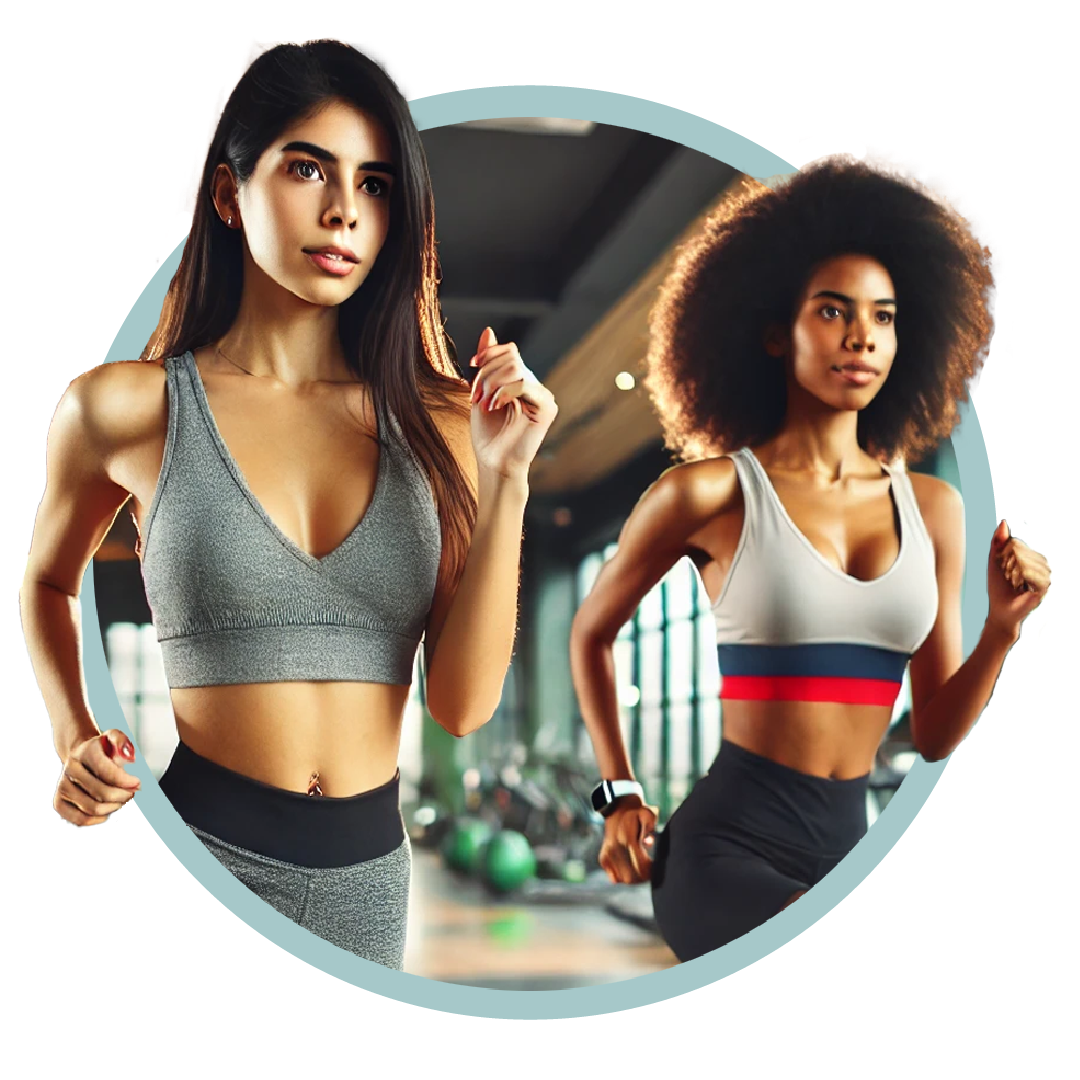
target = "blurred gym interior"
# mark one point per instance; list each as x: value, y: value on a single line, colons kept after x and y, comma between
x: 556, y: 233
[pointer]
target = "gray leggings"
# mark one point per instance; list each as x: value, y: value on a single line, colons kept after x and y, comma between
x: 361, y: 908
x: 337, y: 866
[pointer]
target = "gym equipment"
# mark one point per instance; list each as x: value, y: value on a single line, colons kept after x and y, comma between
x: 427, y: 817
x: 428, y: 824
x: 548, y: 802
x: 508, y: 862
x: 464, y: 844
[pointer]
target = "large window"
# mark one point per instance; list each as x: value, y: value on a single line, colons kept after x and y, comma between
x: 667, y: 682
x: 138, y: 675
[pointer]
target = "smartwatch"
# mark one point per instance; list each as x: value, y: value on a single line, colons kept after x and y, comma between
x: 607, y: 791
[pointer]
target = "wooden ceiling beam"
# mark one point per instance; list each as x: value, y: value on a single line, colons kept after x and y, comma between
x: 599, y: 426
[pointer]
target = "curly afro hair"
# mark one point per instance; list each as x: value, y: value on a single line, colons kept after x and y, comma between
x: 709, y: 377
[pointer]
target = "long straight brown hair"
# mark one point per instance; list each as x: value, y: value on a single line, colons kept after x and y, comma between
x: 390, y: 328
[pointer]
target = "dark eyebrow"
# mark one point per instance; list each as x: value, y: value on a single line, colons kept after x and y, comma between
x: 331, y: 158
x: 846, y: 299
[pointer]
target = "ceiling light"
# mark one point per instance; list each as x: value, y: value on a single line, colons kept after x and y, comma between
x: 534, y: 125
x: 625, y: 381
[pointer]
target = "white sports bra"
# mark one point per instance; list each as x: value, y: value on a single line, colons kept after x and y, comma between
x: 790, y: 626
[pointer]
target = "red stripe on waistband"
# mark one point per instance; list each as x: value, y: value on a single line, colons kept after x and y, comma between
x: 808, y: 688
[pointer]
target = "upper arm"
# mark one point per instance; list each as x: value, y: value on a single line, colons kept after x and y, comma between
x: 942, y: 653
x: 99, y: 415
x: 454, y: 426
x: 656, y: 535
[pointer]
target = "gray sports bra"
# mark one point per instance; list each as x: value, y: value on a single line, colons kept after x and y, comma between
x: 235, y: 601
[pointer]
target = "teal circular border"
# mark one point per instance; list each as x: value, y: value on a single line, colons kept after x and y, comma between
x: 974, y: 468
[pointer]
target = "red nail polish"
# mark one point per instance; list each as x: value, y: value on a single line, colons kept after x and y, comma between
x: 128, y: 751
x: 107, y: 746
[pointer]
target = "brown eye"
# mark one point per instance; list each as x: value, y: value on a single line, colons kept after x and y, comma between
x: 375, y: 186
x: 831, y: 312
x: 885, y: 317
x: 305, y: 170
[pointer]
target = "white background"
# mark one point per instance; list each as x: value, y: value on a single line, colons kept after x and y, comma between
x: 957, y: 955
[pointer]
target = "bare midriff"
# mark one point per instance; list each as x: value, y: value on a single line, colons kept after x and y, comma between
x: 821, y: 738
x: 285, y: 733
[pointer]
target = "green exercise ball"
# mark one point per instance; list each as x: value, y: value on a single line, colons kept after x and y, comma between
x: 464, y: 844
x: 508, y: 862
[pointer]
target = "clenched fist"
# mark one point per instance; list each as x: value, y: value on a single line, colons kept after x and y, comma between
x: 94, y: 783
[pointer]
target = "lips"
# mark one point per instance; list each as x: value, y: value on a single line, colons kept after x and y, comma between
x: 336, y: 261
x: 338, y: 254
x: 856, y: 373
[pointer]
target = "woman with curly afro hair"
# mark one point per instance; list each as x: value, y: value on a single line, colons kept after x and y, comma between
x: 808, y: 342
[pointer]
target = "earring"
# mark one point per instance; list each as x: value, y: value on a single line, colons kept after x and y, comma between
x: 229, y: 222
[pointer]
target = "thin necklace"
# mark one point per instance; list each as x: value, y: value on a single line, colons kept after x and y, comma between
x: 240, y: 367
x: 219, y: 350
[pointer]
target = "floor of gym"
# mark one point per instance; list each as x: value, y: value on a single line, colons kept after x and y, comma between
x: 459, y: 933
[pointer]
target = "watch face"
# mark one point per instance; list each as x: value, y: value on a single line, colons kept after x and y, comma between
x: 599, y: 798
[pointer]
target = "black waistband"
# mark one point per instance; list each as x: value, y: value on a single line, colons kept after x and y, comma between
x: 305, y: 830
x: 754, y: 794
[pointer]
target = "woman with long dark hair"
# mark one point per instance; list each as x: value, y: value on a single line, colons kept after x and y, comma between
x: 315, y: 489
x: 807, y: 342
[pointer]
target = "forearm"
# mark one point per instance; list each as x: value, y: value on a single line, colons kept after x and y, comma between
x: 941, y: 725
x: 51, y: 626
x: 592, y: 663
x: 468, y: 665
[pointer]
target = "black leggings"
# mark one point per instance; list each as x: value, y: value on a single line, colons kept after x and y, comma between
x: 750, y: 836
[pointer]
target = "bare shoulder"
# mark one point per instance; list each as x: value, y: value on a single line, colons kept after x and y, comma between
x: 115, y: 404
x: 942, y: 510
x: 940, y: 504
x: 696, y: 490
x: 677, y: 506
x: 658, y: 533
